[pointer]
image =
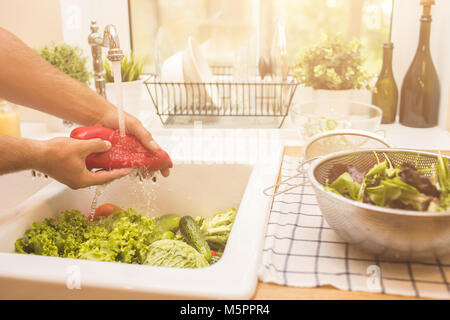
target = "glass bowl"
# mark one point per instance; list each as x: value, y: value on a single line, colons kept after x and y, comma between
x: 314, y: 117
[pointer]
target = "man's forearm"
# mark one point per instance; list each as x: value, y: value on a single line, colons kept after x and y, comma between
x: 20, y: 154
x: 27, y: 79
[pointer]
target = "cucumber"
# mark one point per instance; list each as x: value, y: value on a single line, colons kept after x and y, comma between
x: 168, y: 222
x: 193, y: 236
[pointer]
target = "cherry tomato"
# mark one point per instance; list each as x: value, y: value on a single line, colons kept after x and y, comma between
x: 214, y: 253
x: 105, y: 210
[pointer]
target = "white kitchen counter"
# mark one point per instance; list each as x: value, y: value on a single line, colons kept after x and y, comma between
x: 405, y: 137
x: 397, y: 135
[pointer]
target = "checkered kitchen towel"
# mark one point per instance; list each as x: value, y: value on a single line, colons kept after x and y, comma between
x: 302, y: 250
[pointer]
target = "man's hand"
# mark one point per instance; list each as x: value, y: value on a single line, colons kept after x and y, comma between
x: 64, y: 160
x: 134, y: 127
x: 29, y: 80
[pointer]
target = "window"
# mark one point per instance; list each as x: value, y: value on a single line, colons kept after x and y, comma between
x: 224, y: 26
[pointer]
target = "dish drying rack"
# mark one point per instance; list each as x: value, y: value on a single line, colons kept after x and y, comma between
x: 222, y: 98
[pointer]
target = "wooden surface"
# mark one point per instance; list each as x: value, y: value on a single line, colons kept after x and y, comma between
x: 270, y: 291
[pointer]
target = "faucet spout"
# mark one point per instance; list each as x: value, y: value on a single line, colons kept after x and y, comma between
x: 110, y: 40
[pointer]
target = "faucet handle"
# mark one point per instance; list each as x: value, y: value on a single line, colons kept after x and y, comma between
x: 94, y: 26
x: 95, y: 38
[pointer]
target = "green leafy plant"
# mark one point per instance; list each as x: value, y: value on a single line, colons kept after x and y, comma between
x: 404, y: 186
x: 333, y: 64
x: 68, y: 59
x: 131, y: 68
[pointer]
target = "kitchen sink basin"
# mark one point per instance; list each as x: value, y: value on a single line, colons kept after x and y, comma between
x: 197, y: 189
x: 17, y: 187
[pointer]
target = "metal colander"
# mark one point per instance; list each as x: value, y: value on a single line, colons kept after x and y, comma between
x: 393, y: 233
x: 326, y: 143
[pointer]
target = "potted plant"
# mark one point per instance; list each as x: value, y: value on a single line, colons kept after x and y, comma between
x: 70, y: 60
x: 334, y: 69
x: 133, y: 87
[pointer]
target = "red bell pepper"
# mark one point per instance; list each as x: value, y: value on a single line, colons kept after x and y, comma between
x: 125, y: 152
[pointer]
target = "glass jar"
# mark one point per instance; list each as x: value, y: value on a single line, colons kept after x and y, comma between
x: 9, y: 119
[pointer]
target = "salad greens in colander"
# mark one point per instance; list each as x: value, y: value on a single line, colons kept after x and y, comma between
x: 130, y: 237
x: 401, y: 187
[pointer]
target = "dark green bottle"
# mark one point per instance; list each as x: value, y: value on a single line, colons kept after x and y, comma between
x: 385, y: 95
x: 421, y: 91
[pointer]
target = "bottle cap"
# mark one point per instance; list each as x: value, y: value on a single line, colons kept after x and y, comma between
x: 427, y: 6
x: 427, y: 2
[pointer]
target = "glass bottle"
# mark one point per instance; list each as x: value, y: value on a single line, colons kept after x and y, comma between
x: 9, y: 119
x: 385, y: 95
x: 420, y: 95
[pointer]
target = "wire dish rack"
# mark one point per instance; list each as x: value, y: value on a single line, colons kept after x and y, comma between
x: 222, y: 99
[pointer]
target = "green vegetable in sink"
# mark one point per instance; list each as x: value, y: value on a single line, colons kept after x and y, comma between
x: 168, y: 222
x: 55, y: 237
x: 123, y: 238
x: 168, y: 235
x: 174, y: 253
x: 193, y: 236
x: 217, y: 229
x: 126, y: 236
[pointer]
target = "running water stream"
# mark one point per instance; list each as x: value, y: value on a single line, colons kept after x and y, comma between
x: 117, y: 73
x: 141, y: 186
x: 142, y: 175
x: 97, y: 193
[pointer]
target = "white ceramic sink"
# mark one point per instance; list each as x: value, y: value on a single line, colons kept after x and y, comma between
x: 17, y: 187
x: 191, y: 189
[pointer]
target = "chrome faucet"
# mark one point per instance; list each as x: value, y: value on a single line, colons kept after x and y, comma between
x: 110, y: 39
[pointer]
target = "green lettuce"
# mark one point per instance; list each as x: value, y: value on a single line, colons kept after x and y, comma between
x: 345, y: 185
x: 217, y: 228
x: 55, y: 237
x: 174, y: 253
x: 126, y: 236
x: 443, y: 176
x: 390, y: 190
x: 403, y: 187
x: 122, y: 237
